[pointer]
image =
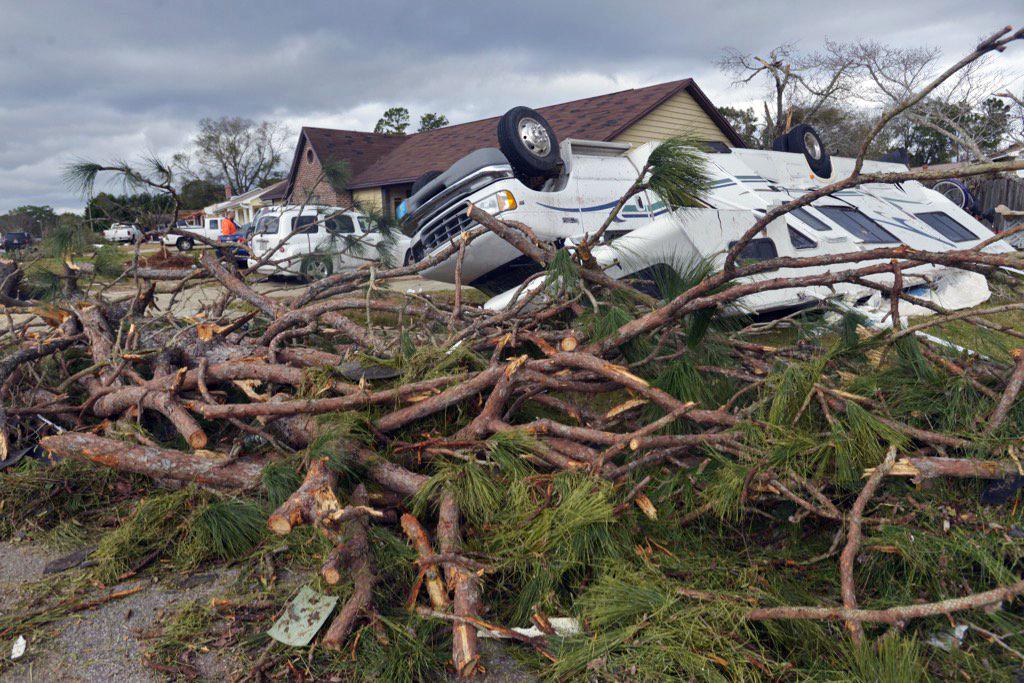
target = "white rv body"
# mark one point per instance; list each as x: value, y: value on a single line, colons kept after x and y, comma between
x: 744, y: 184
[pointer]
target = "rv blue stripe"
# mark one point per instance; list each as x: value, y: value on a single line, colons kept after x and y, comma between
x: 600, y: 207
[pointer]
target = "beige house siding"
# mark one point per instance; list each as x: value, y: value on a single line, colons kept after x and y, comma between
x: 679, y: 115
x: 368, y: 199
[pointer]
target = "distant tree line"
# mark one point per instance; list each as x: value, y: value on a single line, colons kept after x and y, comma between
x: 395, y: 121
x: 840, y: 88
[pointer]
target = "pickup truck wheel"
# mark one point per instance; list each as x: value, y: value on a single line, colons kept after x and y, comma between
x: 803, y: 139
x: 529, y: 143
x: 184, y: 243
x: 316, y: 268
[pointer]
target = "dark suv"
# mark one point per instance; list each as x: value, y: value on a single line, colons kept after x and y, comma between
x: 16, y: 240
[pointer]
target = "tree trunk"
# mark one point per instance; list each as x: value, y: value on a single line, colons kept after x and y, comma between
x: 162, y: 463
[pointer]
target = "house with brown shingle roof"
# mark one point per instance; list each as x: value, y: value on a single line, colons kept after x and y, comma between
x: 380, y: 169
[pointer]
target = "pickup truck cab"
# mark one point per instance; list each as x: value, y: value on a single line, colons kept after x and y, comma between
x: 312, y: 242
x: 209, y: 228
x: 123, y: 232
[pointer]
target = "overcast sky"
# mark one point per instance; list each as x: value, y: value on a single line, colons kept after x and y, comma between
x: 106, y: 80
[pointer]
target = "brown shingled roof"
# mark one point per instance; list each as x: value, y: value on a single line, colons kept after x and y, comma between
x: 595, y: 118
x: 359, y: 150
x: 376, y: 160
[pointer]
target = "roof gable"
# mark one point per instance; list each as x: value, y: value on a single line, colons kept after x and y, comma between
x: 357, y: 149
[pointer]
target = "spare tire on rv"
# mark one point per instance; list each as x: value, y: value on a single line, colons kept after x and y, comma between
x: 529, y: 143
x: 803, y: 139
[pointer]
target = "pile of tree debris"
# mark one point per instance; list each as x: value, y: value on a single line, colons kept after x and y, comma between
x: 706, y: 496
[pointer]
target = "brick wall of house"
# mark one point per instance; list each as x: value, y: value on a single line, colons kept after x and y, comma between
x: 310, y: 185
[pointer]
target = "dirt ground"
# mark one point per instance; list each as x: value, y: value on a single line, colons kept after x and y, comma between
x: 106, y: 643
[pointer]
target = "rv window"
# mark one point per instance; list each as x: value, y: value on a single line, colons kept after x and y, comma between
x: 341, y: 225
x: 800, y: 240
x: 810, y: 219
x: 947, y: 226
x: 760, y: 249
x: 859, y: 225
x: 300, y: 221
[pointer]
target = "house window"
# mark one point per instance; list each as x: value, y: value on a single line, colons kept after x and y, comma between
x: 859, y: 225
x: 309, y: 155
x: 810, y: 219
x: 947, y: 226
x: 800, y: 240
x: 760, y: 249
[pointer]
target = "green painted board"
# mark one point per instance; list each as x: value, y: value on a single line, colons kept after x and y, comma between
x: 303, y: 618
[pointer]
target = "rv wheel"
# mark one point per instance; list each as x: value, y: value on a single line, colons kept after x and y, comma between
x: 184, y: 243
x: 528, y: 142
x: 423, y: 180
x: 804, y: 139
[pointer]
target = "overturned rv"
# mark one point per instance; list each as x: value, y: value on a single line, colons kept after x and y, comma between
x: 565, y: 191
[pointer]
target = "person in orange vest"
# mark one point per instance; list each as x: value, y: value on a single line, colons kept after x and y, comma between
x: 227, y: 226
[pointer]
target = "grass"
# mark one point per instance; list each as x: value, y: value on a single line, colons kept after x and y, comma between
x: 68, y: 497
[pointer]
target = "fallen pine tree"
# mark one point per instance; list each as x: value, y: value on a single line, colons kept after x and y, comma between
x: 709, y: 496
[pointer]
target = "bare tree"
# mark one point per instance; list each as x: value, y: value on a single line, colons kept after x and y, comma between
x: 1016, y: 132
x: 793, y: 83
x: 961, y: 110
x: 245, y: 153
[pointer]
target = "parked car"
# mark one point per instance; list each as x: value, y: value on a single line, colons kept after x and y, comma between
x: 327, y: 240
x: 565, y: 191
x: 16, y: 240
x: 123, y: 232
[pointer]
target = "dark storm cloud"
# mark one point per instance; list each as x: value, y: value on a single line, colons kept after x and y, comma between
x: 108, y: 80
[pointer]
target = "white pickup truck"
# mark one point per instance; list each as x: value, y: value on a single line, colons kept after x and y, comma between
x: 209, y: 228
x: 123, y: 232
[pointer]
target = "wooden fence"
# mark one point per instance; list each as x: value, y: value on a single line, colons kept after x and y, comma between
x: 990, y: 193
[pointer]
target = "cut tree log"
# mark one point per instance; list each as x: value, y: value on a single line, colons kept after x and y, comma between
x: 417, y: 536
x: 161, y: 463
x: 465, y: 586
x: 362, y: 570
x: 313, y: 500
x: 922, y: 468
x: 315, y: 503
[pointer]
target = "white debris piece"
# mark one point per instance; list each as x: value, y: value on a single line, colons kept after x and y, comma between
x: 19, y: 648
x: 564, y: 626
x: 947, y: 641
